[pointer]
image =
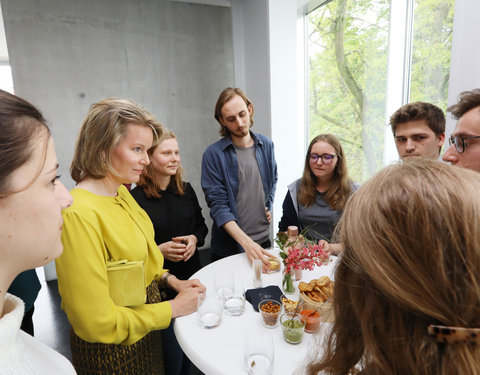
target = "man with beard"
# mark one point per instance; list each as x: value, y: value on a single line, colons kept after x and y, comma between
x: 239, y: 176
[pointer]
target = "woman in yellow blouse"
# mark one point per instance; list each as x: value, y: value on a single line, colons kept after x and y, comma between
x: 106, y: 224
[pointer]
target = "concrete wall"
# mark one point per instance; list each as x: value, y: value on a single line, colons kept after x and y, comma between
x: 173, y: 58
x: 252, y: 58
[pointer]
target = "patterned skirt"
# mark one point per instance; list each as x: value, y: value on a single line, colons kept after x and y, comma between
x: 143, y: 357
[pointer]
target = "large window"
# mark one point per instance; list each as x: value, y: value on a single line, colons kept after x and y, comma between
x: 6, y: 82
x: 431, y: 49
x: 352, y: 55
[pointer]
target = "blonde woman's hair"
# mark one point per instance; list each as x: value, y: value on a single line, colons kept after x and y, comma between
x: 102, y: 129
x: 341, y: 187
x: 147, y: 179
x: 411, y: 239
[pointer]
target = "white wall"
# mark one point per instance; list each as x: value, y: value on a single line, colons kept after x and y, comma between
x: 3, y: 40
x: 287, y: 82
x: 251, y: 57
x: 465, y: 60
x: 267, y: 66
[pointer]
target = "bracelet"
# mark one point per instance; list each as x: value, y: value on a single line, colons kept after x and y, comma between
x: 164, y: 279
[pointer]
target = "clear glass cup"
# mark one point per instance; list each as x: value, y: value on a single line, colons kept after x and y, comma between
x: 234, y: 303
x: 274, y: 264
x: 258, y: 352
x: 270, y: 311
x: 313, y: 318
x: 291, y: 305
x: 209, y: 310
x: 293, y: 326
x: 223, y: 283
x: 257, y: 266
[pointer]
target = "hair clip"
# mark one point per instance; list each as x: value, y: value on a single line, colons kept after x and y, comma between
x: 454, y: 335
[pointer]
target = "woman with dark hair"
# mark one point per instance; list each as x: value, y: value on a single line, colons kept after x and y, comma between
x: 31, y: 203
x: 179, y: 227
x: 315, y: 202
x: 114, y: 330
x: 407, y: 287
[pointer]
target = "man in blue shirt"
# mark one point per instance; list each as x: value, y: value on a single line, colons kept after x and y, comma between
x: 239, y: 176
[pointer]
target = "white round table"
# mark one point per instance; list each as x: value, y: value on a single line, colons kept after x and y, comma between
x: 220, y: 350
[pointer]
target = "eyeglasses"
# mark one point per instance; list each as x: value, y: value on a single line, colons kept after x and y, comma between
x: 459, y: 142
x: 326, y: 158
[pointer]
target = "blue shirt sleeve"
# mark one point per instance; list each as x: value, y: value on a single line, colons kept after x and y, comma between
x: 215, y: 188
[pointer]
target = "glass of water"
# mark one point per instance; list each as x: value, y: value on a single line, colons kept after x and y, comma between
x: 234, y: 302
x: 209, y: 310
x: 223, y: 283
x: 258, y: 352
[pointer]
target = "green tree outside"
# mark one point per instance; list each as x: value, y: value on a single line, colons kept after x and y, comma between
x: 348, y: 60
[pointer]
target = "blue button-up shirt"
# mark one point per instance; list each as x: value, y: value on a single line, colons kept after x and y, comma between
x: 220, y: 185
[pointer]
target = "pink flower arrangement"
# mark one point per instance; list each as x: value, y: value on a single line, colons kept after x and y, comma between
x: 304, y: 258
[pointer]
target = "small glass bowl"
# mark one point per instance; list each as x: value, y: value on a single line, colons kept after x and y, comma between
x: 274, y: 265
x: 270, y: 311
x: 290, y: 305
x: 293, y: 326
x: 313, y: 319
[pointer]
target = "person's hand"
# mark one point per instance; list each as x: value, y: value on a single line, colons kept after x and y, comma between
x: 191, y: 245
x: 181, y: 285
x: 269, y: 215
x: 252, y: 249
x: 255, y: 251
x: 330, y: 248
x: 186, y: 301
x: 172, y: 250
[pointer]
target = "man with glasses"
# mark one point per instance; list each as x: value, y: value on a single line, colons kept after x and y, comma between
x: 464, y: 150
x: 419, y: 130
x: 239, y: 176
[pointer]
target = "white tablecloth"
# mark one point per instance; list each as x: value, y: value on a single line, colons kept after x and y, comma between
x: 220, y: 350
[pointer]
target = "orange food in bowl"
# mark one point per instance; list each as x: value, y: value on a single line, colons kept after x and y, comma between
x: 312, y: 318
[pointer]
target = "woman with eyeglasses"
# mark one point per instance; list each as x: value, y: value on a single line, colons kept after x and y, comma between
x: 315, y: 202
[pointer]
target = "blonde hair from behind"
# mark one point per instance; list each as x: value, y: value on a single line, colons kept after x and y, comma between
x: 102, y: 129
x: 147, y: 179
x: 411, y: 239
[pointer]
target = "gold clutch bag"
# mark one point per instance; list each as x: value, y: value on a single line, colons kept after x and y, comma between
x: 127, y: 282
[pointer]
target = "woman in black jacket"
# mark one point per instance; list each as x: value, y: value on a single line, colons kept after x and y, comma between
x: 179, y: 227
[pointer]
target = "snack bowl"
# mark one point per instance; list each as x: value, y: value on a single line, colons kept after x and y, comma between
x: 270, y: 311
x: 293, y: 326
x: 289, y: 305
x: 312, y: 319
x: 309, y: 303
x: 324, y: 308
x: 274, y: 264
x: 317, y: 295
